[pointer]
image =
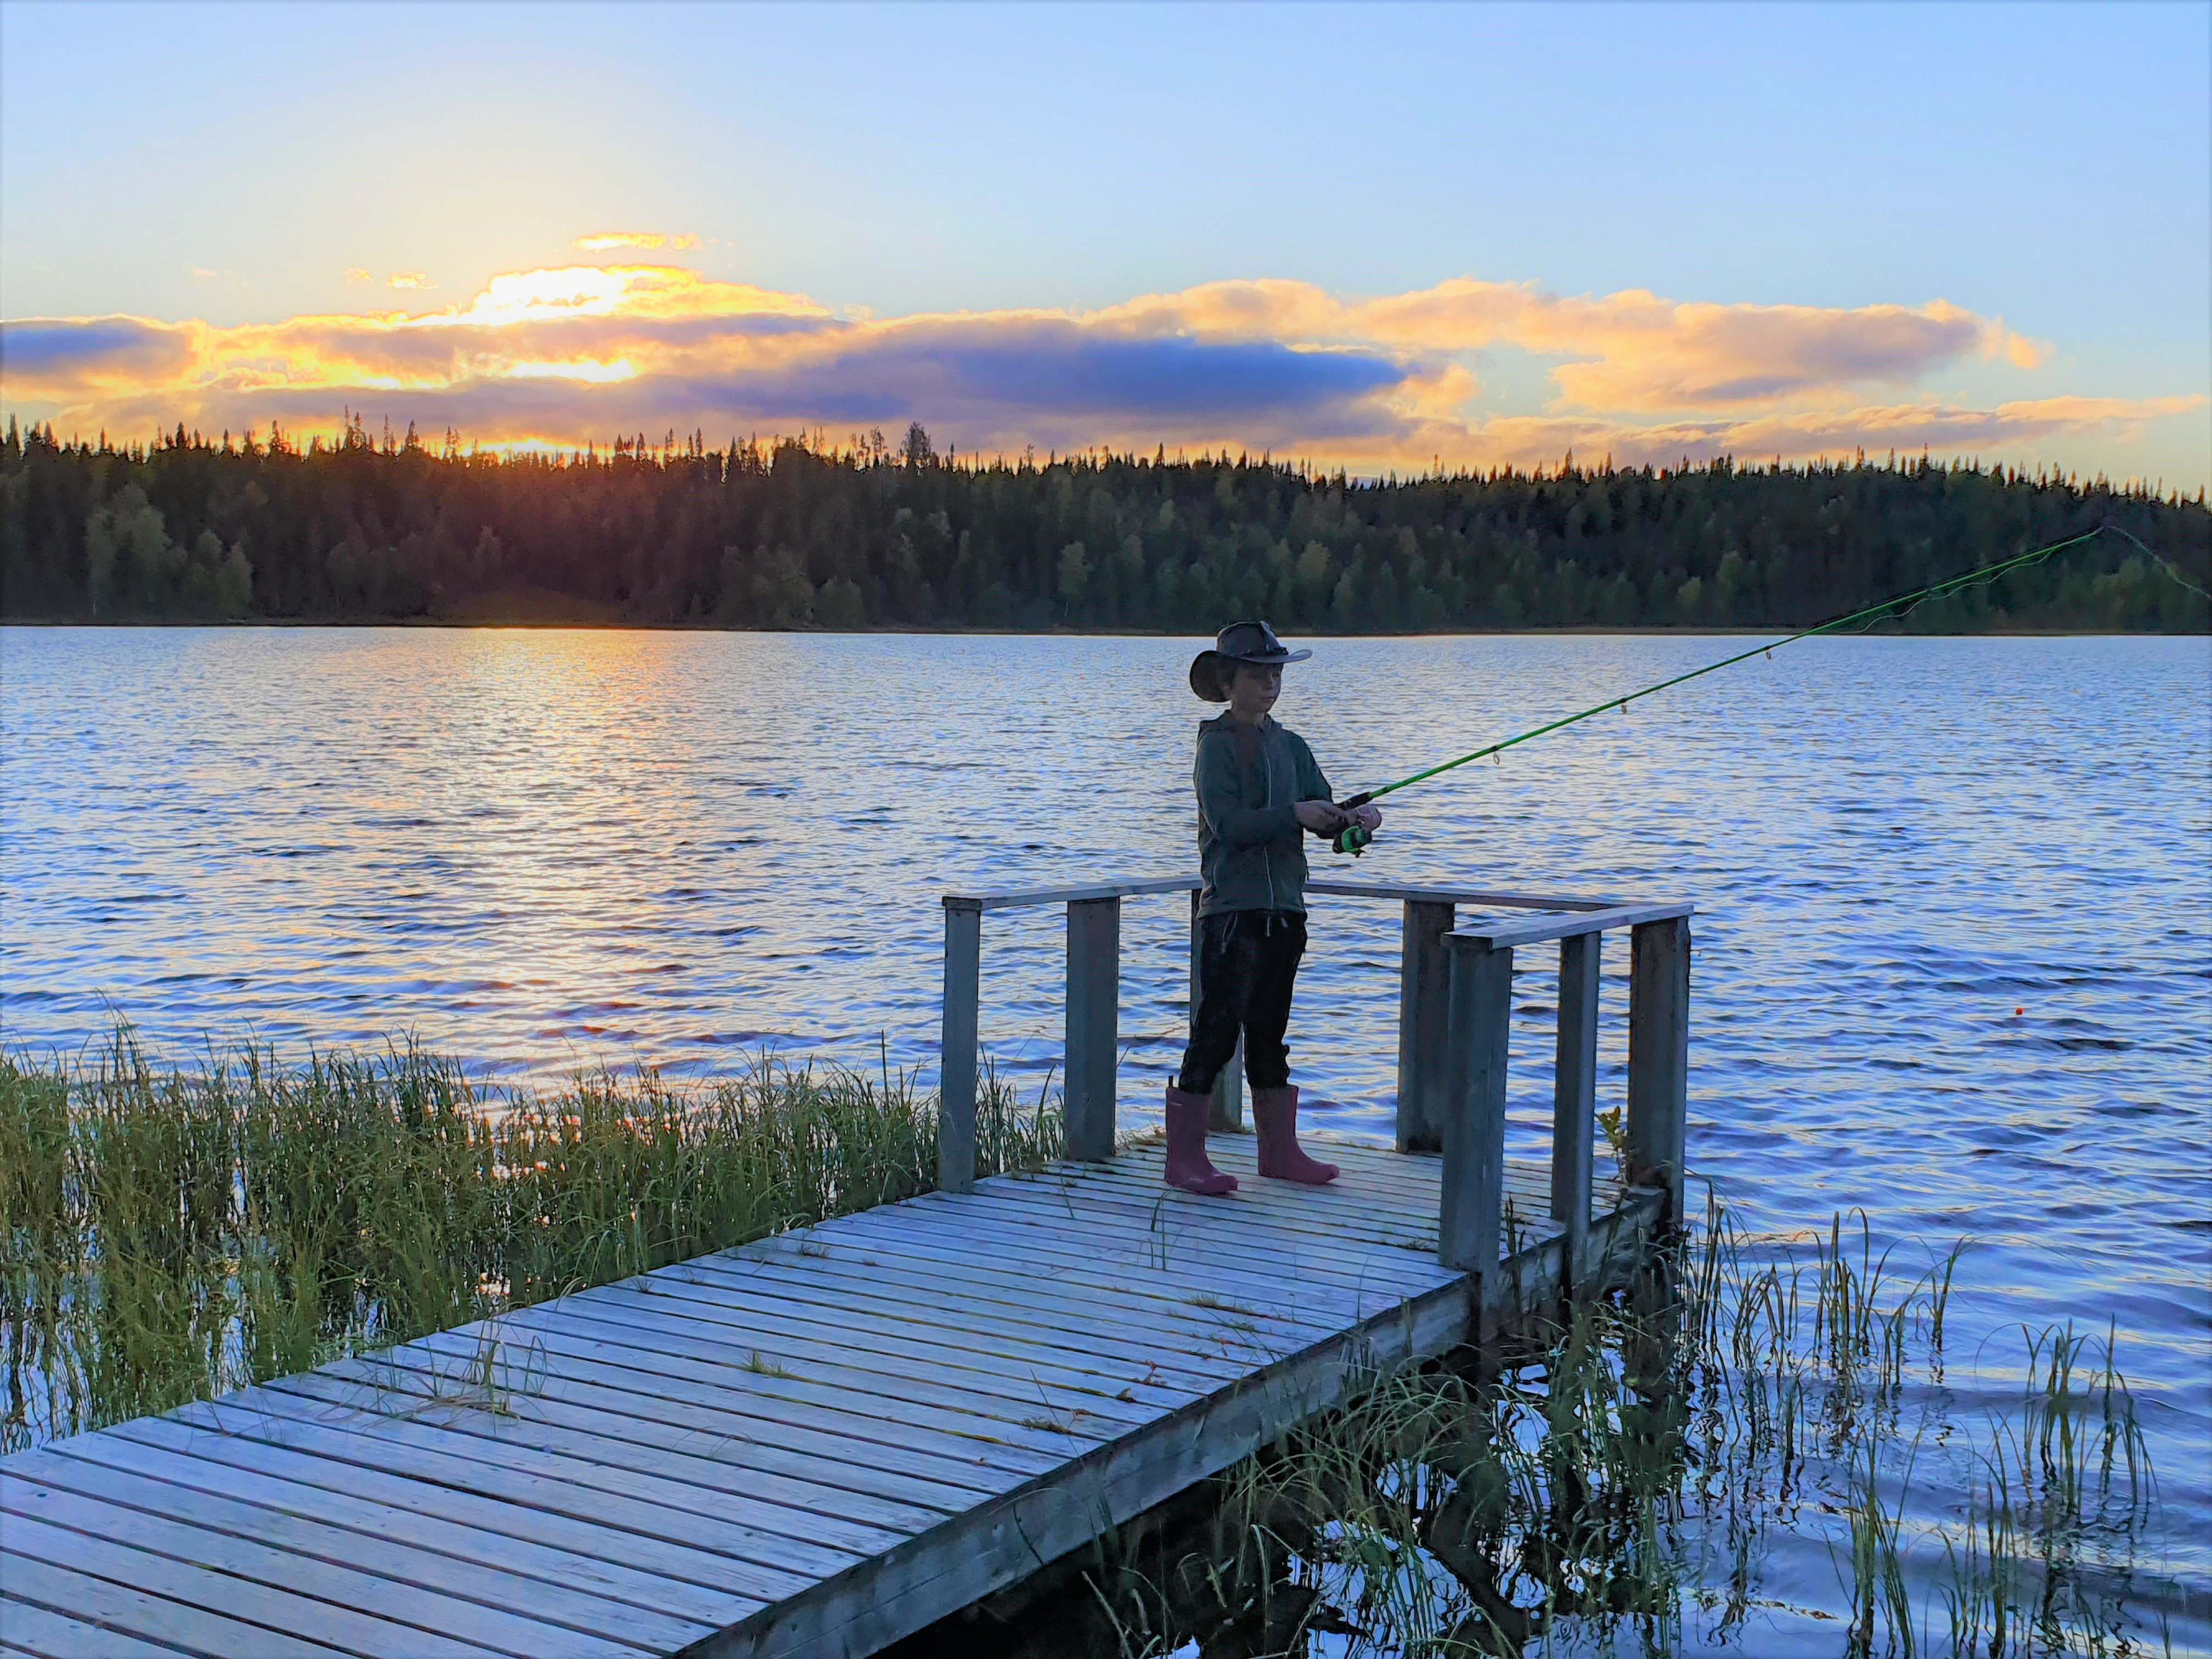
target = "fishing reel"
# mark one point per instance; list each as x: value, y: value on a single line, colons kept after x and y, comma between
x: 1355, y: 838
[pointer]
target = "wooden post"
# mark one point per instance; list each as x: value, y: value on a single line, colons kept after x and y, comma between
x: 956, y: 1048
x: 1423, y: 1018
x: 1470, y: 1216
x: 1574, y: 1091
x: 1227, y: 1116
x: 1659, y: 1055
x: 1094, y: 1005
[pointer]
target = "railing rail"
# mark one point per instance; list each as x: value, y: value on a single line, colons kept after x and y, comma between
x: 1454, y: 1011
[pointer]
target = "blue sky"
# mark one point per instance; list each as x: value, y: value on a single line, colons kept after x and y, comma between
x: 1788, y: 180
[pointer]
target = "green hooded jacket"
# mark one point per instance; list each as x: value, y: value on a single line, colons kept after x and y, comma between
x: 1249, y: 779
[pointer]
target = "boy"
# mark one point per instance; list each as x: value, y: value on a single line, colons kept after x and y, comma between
x: 1258, y: 786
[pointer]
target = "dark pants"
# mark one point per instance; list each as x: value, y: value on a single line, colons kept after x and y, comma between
x: 1247, y: 961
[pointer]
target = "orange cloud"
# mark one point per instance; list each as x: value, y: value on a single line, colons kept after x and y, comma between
x: 606, y: 241
x: 409, y: 279
x: 1634, y: 349
x: 574, y: 352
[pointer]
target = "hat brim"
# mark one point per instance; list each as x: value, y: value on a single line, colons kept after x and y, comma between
x: 1211, y: 671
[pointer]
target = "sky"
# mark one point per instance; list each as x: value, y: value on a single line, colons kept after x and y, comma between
x: 1381, y: 237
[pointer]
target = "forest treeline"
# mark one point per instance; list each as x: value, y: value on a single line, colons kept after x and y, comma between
x: 795, y: 534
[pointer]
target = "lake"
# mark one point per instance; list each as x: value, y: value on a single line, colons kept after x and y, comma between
x: 1953, y: 948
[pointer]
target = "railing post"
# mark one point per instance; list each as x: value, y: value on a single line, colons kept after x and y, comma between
x: 1227, y: 1115
x: 1094, y: 1004
x: 1471, y: 1216
x: 1574, y: 1093
x: 1423, y: 1018
x: 1659, y: 1055
x: 955, y: 1049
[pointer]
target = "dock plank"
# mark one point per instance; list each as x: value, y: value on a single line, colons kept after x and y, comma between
x: 436, y: 1521
x: 520, y: 1609
x: 289, y: 1623
x: 37, y: 1634
x: 809, y: 1445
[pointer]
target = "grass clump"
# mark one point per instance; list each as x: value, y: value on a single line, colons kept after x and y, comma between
x: 170, y: 1234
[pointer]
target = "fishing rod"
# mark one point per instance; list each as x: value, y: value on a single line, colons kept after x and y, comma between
x: 1354, y: 838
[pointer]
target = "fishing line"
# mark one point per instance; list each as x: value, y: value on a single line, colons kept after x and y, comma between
x: 1354, y: 838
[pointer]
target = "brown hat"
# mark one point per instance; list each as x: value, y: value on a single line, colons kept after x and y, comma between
x: 1244, y: 642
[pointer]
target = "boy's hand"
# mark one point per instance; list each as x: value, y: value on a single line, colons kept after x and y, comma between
x: 1369, y: 818
x: 1322, y: 817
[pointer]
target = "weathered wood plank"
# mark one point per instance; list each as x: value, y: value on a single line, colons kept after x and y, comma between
x: 1128, y: 1201
x: 845, y: 1521
x: 431, y: 1517
x: 1014, y: 898
x: 1470, y: 1209
x: 291, y: 1624
x: 494, y: 1497
x: 956, y: 1049
x: 1659, y: 1054
x: 132, y: 1613
x: 1574, y: 1088
x: 39, y: 1634
x: 995, y: 1304
x: 843, y: 1415
x: 656, y: 1509
x: 468, y: 1602
x: 972, y: 1389
x: 1423, y: 1022
x: 1469, y: 895
x: 606, y: 1405
x: 1094, y: 1010
x: 1304, y: 1271
x: 1536, y: 930
x: 1152, y: 1307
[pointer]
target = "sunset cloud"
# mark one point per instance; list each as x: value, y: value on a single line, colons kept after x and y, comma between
x: 606, y: 241
x: 574, y: 352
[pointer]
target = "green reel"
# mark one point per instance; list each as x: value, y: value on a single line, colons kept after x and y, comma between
x: 1355, y: 838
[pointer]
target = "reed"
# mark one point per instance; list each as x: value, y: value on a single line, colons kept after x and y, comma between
x: 170, y: 1233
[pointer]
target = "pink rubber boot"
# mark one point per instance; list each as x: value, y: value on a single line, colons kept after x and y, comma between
x: 1275, y: 1115
x: 1188, y: 1167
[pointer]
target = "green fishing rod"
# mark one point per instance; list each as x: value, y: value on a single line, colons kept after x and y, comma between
x: 1353, y: 838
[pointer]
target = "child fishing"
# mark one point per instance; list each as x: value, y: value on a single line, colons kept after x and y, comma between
x: 1258, y: 789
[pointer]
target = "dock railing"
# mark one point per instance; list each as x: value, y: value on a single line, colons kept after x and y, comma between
x: 1454, y: 1010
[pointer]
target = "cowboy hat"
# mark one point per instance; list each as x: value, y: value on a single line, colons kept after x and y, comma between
x: 1244, y: 642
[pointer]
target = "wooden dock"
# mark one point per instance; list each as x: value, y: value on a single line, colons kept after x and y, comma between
x: 821, y: 1441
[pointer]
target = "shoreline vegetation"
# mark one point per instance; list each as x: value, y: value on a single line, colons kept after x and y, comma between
x: 168, y: 1235
x: 790, y: 534
x: 1759, y: 1435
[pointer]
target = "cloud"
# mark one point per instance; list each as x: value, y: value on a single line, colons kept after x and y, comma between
x: 1629, y: 350
x: 358, y: 274
x: 606, y: 241
x: 574, y: 353
x: 409, y: 279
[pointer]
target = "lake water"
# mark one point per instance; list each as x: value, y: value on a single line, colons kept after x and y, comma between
x: 1953, y: 949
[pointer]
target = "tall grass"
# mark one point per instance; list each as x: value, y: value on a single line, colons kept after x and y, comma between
x: 1751, y: 1448
x: 167, y: 1234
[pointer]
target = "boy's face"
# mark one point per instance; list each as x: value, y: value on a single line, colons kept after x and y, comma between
x: 1253, y: 691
